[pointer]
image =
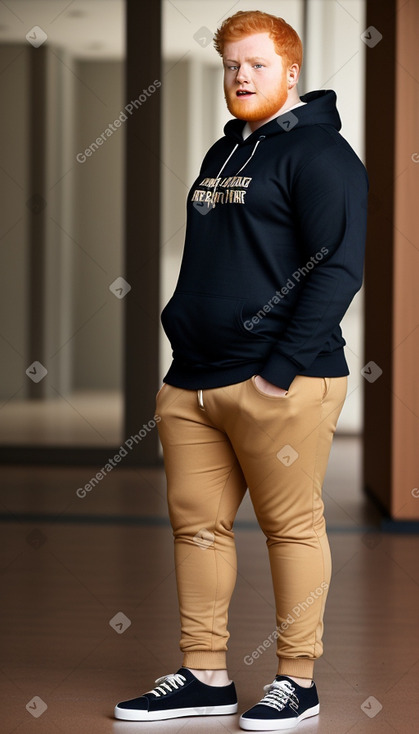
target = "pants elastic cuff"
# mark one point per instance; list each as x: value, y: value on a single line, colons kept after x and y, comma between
x: 299, y: 667
x: 201, y: 660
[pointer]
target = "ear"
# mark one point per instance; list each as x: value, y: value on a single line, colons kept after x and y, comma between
x: 293, y: 72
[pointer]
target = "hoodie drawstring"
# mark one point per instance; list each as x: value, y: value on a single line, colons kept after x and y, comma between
x: 251, y: 156
x: 240, y: 169
x: 226, y: 161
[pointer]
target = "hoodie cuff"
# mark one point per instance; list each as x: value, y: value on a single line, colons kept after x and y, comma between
x: 280, y: 371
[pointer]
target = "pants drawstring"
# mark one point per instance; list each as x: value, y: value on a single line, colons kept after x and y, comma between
x: 201, y: 400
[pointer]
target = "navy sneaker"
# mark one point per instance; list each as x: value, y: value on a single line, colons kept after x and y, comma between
x: 179, y: 694
x: 283, y: 707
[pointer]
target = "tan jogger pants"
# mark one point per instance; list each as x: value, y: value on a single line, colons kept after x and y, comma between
x: 216, y: 444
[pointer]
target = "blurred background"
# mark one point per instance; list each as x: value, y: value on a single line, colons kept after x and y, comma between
x: 108, y: 109
x: 63, y: 223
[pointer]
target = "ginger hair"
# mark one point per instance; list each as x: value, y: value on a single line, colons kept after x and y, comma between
x: 247, y: 22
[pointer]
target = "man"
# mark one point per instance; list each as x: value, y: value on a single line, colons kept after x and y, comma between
x: 273, y: 257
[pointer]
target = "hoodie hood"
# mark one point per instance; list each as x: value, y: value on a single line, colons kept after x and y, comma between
x: 320, y: 109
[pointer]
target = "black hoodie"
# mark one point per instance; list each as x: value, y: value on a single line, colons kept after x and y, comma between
x: 273, y: 255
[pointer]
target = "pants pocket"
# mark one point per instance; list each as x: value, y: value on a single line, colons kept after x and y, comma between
x: 326, y: 386
x: 161, y: 390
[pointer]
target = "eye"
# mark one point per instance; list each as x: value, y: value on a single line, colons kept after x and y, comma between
x: 258, y: 66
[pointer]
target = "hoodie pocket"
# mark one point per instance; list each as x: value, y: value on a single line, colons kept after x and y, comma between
x: 203, y: 328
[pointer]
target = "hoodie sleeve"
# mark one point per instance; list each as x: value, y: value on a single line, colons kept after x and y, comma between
x: 329, y: 198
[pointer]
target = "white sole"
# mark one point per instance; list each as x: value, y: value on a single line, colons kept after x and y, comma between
x: 272, y: 725
x: 134, y: 715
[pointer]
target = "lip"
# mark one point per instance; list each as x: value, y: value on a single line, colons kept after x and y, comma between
x: 248, y: 94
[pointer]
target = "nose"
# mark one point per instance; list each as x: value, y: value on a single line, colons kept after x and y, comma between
x: 241, y: 75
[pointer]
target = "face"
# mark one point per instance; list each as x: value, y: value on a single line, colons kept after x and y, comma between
x: 256, y: 84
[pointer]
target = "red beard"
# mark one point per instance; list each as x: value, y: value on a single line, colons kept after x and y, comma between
x: 257, y: 106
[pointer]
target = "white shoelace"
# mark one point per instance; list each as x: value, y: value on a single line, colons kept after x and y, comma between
x: 168, y: 683
x: 279, y: 694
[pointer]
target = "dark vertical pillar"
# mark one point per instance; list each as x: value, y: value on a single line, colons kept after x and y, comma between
x: 142, y: 222
x: 37, y: 208
x: 391, y: 403
x: 379, y: 158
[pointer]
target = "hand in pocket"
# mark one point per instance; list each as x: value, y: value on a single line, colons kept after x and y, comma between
x: 268, y: 388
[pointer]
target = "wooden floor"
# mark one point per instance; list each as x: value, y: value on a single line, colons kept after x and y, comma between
x: 89, y: 613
